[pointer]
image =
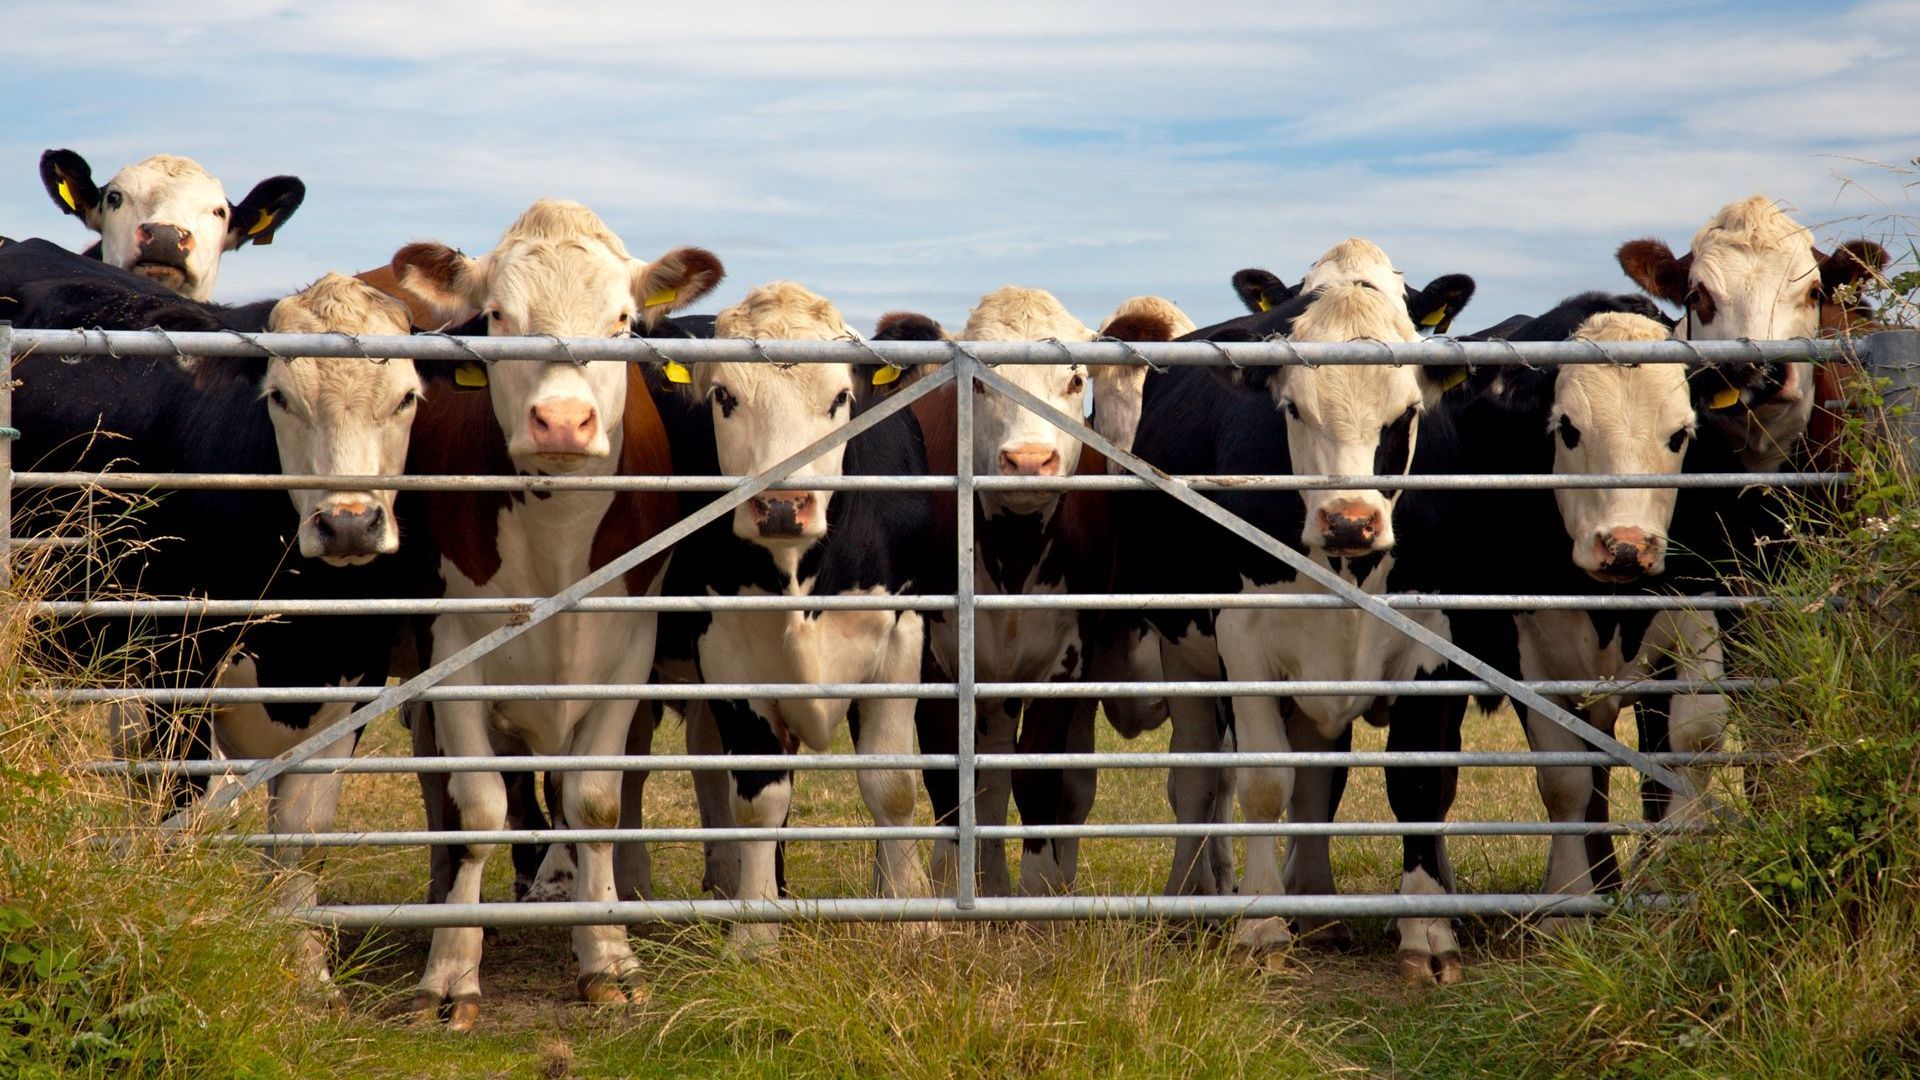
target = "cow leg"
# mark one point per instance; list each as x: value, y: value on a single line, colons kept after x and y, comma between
x: 998, y: 734
x: 542, y: 873
x: 1652, y: 716
x: 307, y: 803
x: 1699, y: 721
x: 1078, y: 786
x: 435, y: 800
x: 886, y: 727
x: 1567, y: 791
x: 1308, y: 868
x: 1196, y: 794
x: 761, y: 799
x: 591, y: 800
x: 1264, y: 792
x: 714, y: 794
x: 1041, y: 796
x: 632, y: 863
x: 1127, y: 654
x: 480, y: 803
x: 937, y: 723
x: 1429, y: 951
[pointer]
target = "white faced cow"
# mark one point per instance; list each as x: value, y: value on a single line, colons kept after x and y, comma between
x: 802, y: 541
x: 1029, y: 542
x: 166, y: 218
x: 557, y: 270
x: 1754, y: 273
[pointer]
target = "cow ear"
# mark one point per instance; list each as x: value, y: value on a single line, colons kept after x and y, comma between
x: 1434, y: 307
x: 1520, y: 389
x: 256, y: 218
x: 1119, y: 390
x: 673, y: 281
x: 1439, y: 380
x: 1260, y: 290
x: 1854, y: 263
x: 1651, y: 265
x: 69, y: 180
x: 1717, y: 388
x: 445, y: 280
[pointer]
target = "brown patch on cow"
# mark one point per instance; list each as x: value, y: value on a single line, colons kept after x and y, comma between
x: 448, y: 429
x: 438, y: 276
x: 688, y: 272
x: 637, y: 516
x: 908, y: 326
x: 1139, y: 327
x: 387, y: 281
x: 1651, y: 265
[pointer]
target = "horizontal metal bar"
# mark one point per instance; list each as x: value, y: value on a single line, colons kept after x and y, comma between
x: 864, y: 691
x: 154, y: 342
x: 863, y: 833
x: 509, y: 605
x: 152, y: 481
x: 874, y: 909
x: 49, y: 541
x: 384, y: 765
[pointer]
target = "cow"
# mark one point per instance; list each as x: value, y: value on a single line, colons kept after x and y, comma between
x: 557, y: 270
x: 221, y: 415
x: 802, y: 542
x: 1352, y: 420
x: 166, y: 218
x: 1588, y: 418
x: 1753, y: 272
x: 1027, y: 542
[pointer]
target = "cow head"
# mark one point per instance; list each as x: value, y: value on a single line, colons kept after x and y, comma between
x: 1009, y: 439
x: 1754, y: 273
x: 765, y: 413
x: 166, y: 218
x: 558, y: 271
x: 341, y: 416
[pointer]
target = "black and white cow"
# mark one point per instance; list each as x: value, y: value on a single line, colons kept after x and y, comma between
x: 1339, y: 419
x: 166, y: 218
x: 288, y: 414
x: 800, y: 541
x: 557, y: 270
x: 1588, y: 418
x: 1028, y: 542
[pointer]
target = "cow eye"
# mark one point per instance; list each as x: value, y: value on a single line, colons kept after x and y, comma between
x: 1678, y: 440
x: 623, y: 319
x: 220, y: 212
x: 724, y: 398
x: 494, y: 314
x: 114, y: 199
x: 1076, y: 384
x: 413, y: 398
x: 844, y: 397
x: 1293, y: 410
x: 1568, y: 433
x: 275, y: 397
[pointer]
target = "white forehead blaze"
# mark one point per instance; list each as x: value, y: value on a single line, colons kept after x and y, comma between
x: 1007, y: 436
x: 170, y: 191
x: 1354, y: 261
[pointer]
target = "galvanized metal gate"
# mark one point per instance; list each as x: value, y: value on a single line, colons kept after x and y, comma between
x: 970, y: 368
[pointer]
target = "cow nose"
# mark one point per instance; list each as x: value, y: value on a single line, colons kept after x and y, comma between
x: 1349, y: 526
x: 350, y: 529
x: 562, y: 426
x: 1625, y: 552
x: 1029, y: 459
x: 782, y: 513
x: 160, y: 242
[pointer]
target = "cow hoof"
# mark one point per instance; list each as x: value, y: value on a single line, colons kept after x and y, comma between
x: 601, y: 989
x: 1450, y: 970
x: 1262, y: 935
x: 426, y: 1007
x: 1416, y: 969
x: 466, y: 1013
x: 1557, y: 926
x: 1325, y: 934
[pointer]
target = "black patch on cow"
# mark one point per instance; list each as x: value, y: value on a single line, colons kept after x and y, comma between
x: 743, y: 731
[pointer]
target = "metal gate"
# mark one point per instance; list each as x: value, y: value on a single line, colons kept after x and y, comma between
x: 969, y: 367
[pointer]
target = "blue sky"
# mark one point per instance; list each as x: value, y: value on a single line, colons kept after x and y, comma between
x: 918, y: 155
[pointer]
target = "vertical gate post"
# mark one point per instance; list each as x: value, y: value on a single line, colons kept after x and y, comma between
x: 1895, y: 357
x: 963, y: 625
x: 7, y: 435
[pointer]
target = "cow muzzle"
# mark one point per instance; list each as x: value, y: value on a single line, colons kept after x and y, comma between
x: 784, y: 515
x: 563, y: 427
x: 1348, y: 527
x: 1624, y: 554
x: 347, y: 533
x: 160, y: 252
x: 1029, y: 459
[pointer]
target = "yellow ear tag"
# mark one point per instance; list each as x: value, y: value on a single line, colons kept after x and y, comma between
x: 885, y: 374
x: 1454, y: 379
x: 66, y: 194
x: 470, y: 376
x: 1434, y: 317
x: 262, y: 225
x: 1264, y: 306
x: 1724, y: 399
x: 677, y: 372
x: 664, y: 296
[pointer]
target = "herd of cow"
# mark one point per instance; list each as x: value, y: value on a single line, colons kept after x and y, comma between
x: 558, y: 270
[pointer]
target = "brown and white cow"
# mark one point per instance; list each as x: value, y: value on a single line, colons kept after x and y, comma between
x: 166, y: 218
x: 1754, y: 273
x: 557, y: 270
x: 801, y: 541
x: 1029, y: 542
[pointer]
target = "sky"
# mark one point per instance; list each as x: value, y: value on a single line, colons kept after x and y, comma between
x: 915, y: 156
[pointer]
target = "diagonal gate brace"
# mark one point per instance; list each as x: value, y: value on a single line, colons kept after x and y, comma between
x: 1333, y: 583
x: 546, y: 609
